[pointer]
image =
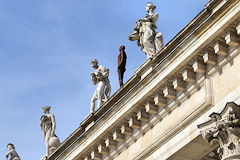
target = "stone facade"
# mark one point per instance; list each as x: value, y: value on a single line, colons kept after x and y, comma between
x: 155, y: 115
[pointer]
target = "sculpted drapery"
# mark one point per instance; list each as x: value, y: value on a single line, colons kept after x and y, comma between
x: 48, y: 126
x: 144, y: 32
x: 100, y: 78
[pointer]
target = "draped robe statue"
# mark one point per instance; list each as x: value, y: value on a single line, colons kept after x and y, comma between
x: 144, y: 32
x: 100, y: 78
x: 48, y: 126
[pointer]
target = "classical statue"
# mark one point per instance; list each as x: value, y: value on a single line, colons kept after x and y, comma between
x: 122, y: 58
x: 12, y: 152
x: 100, y: 78
x: 48, y: 126
x: 150, y: 41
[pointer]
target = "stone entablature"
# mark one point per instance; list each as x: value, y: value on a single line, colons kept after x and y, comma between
x: 224, y: 129
x: 158, y: 87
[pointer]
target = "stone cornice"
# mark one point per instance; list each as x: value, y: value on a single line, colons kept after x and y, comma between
x: 155, y: 89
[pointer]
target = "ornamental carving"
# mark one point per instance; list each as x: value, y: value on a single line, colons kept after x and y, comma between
x: 224, y: 129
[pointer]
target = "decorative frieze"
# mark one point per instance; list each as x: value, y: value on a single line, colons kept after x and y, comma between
x: 224, y: 128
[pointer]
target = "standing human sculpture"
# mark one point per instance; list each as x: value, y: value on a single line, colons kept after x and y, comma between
x: 12, y: 152
x: 100, y: 78
x: 150, y: 41
x: 122, y: 58
x: 48, y: 126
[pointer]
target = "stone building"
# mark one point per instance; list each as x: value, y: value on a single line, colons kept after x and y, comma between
x: 180, y: 105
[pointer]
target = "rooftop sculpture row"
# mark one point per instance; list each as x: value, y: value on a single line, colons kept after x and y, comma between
x: 100, y: 78
x: 150, y: 42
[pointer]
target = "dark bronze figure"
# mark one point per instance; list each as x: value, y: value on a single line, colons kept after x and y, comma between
x: 122, y: 58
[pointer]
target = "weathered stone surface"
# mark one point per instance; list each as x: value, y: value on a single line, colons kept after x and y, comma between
x: 142, y: 115
x: 179, y: 84
x: 95, y: 155
x: 224, y: 129
x: 232, y: 38
x: 169, y: 92
x: 210, y: 57
x: 133, y: 122
x: 238, y: 28
x: 125, y: 129
x: 110, y: 143
x: 199, y: 66
x: 221, y: 48
x: 160, y: 100
x: 117, y: 135
x: 151, y: 107
x: 188, y: 75
x: 102, y: 149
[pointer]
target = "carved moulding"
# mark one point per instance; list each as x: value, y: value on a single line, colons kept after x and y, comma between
x: 224, y: 129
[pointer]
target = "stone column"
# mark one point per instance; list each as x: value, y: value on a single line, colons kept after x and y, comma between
x: 224, y: 129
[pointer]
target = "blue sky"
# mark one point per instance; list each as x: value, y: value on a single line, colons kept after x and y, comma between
x: 46, y: 46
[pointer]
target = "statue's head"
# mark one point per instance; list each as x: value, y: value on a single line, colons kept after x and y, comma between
x: 150, y: 6
x: 46, y: 109
x: 10, y: 146
x: 122, y: 48
x: 94, y: 63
